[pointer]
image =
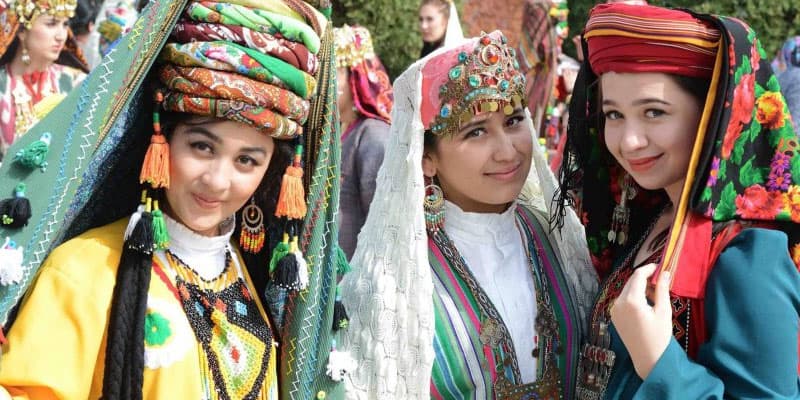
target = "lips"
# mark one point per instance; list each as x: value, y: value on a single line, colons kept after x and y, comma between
x: 642, y: 164
x: 505, y: 173
x: 207, y: 203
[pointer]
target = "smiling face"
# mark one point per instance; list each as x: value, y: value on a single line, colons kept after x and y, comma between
x: 483, y: 167
x: 650, y: 127
x: 46, y: 38
x: 215, y: 167
x: 432, y: 23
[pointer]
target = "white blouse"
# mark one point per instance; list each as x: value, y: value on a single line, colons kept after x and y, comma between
x: 494, y: 250
x: 205, y: 254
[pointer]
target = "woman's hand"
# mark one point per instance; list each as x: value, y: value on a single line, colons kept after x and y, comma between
x: 645, y: 330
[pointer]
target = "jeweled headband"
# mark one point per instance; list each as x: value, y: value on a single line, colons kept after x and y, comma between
x: 353, y: 45
x: 480, y: 76
x: 27, y: 11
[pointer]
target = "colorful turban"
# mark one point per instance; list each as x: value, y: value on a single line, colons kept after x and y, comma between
x: 479, y: 76
x: 634, y: 38
x: 244, y: 60
x: 369, y: 83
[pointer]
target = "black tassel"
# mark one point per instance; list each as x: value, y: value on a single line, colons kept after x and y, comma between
x: 286, y: 273
x: 16, y: 211
x: 142, y: 238
x: 340, y: 318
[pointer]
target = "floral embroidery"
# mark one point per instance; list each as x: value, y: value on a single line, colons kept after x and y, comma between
x: 757, y: 203
x: 769, y: 110
x: 167, y: 336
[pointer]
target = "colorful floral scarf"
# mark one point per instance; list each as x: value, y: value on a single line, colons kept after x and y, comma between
x: 291, y: 52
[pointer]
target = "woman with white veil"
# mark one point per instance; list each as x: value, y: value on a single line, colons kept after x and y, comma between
x: 439, y: 25
x: 458, y: 289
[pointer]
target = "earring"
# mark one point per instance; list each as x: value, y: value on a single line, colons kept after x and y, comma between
x: 434, y: 207
x: 251, y: 238
x: 26, y: 58
x: 621, y: 217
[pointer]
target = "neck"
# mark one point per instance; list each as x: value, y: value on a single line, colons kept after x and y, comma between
x: 347, y: 116
x: 674, y: 192
x: 16, y: 67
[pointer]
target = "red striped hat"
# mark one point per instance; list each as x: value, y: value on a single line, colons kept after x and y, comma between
x: 641, y: 38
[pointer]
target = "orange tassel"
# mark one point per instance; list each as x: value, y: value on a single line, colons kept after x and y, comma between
x: 292, y: 198
x: 155, y: 169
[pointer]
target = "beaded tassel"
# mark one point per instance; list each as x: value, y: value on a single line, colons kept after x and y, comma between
x: 340, y: 363
x: 155, y: 168
x: 15, y: 211
x: 292, y: 198
x: 160, y: 234
x: 11, y: 256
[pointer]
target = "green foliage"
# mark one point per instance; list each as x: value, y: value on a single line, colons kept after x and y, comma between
x: 773, y: 20
x: 393, y: 25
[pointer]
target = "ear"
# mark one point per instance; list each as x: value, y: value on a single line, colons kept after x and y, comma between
x: 429, y: 163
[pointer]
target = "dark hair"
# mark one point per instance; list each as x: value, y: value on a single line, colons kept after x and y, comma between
x: 11, y: 50
x: 85, y: 14
x: 697, y: 87
x: 124, y: 362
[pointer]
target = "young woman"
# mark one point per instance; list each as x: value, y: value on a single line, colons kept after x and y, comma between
x: 364, y: 97
x: 461, y: 291
x: 438, y: 24
x: 180, y: 300
x: 39, y: 63
x: 682, y: 150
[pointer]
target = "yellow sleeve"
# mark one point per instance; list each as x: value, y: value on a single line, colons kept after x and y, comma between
x: 55, y: 348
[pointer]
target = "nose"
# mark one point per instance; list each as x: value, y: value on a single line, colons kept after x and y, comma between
x: 633, y: 138
x: 61, y: 33
x: 505, y: 148
x: 216, y: 177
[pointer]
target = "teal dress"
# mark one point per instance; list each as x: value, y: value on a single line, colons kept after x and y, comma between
x: 751, y: 309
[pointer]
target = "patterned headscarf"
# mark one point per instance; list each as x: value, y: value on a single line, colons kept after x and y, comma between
x: 742, y: 163
x: 369, y: 83
x: 21, y: 13
x: 104, y: 125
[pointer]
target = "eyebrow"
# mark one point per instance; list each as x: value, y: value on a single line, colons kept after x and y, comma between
x: 639, y: 102
x: 216, y: 139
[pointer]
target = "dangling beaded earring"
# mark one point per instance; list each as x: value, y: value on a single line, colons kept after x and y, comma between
x: 251, y: 239
x: 434, y: 206
x: 26, y: 58
x: 620, y: 219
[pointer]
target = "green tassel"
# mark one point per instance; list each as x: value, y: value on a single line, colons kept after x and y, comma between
x: 280, y: 251
x: 160, y: 234
x: 342, y: 266
x: 34, y: 155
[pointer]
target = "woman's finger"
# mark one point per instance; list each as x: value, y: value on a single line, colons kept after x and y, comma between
x: 663, y: 304
x: 637, y: 284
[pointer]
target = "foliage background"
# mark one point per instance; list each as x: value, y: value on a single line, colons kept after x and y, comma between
x: 393, y: 23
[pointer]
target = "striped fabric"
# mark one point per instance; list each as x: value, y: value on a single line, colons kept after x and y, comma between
x: 464, y: 368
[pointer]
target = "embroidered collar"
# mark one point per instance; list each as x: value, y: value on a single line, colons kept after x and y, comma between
x: 204, y: 254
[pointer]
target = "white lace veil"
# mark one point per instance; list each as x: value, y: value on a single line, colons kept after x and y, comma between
x: 388, y: 294
x: 453, y: 35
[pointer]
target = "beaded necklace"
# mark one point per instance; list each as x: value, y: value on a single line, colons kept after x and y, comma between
x: 495, y: 334
x: 235, y: 338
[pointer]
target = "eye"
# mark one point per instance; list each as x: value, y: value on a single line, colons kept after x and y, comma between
x: 203, y: 147
x: 476, y: 132
x: 248, y: 161
x: 613, y: 115
x: 653, y: 113
x: 514, y: 120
